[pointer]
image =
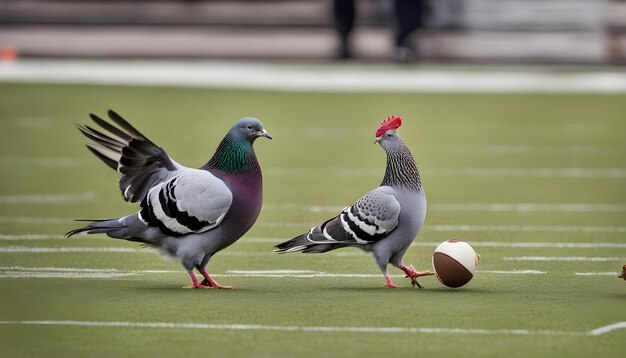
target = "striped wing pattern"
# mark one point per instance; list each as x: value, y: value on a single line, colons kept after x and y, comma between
x: 193, y: 201
x: 141, y: 163
x: 368, y: 220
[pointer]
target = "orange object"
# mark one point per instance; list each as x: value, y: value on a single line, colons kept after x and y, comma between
x: 8, y: 54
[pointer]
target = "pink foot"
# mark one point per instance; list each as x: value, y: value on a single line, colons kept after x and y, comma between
x: 413, y: 275
x: 208, y: 282
x: 196, y: 286
x: 194, y: 282
x: 390, y: 283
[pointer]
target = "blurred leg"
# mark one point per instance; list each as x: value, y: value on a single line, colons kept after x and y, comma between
x: 409, y: 17
x: 344, y: 12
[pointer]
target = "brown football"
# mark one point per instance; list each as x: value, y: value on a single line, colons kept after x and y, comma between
x: 454, y: 262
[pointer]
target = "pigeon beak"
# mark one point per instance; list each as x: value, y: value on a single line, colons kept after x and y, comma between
x: 263, y: 133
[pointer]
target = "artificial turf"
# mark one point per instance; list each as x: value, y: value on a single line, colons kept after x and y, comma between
x: 555, y: 149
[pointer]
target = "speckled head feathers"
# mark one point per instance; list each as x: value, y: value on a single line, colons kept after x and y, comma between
x: 392, y: 122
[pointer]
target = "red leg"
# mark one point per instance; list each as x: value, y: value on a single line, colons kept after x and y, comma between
x: 390, y: 283
x: 194, y: 282
x: 211, y: 283
x: 413, y: 275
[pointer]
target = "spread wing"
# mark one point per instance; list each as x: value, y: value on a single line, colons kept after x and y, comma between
x: 369, y: 220
x: 141, y: 163
x: 193, y: 201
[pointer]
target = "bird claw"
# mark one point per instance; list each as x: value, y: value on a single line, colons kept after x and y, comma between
x: 206, y: 284
x: 413, y: 275
x: 391, y: 285
x: 196, y: 286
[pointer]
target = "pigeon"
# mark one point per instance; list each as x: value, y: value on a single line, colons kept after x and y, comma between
x: 384, y: 221
x: 186, y: 213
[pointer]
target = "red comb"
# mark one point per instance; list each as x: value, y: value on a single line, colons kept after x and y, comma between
x: 392, y: 122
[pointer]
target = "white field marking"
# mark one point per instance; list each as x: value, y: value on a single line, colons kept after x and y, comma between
x: 607, y: 329
x: 347, y: 329
x: 59, y: 162
x: 40, y: 250
x: 30, y: 220
x: 310, y: 208
x: 70, y: 273
x: 261, y: 272
x: 537, y: 173
x: 525, y: 149
x: 488, y: 207
x: 597, y: 274
x: 34, y: 122
x: 526, y: 228
x: 7, y: 237
x: 611, y: 173
x: 317, y: 78
x: 72, y: 269
x: 530, y: 207
x: 529, y: 244
x: 301, y: 225
x: 313, y: 274
x: 78, y: 275
x: 558, y: 245
x: 514, y: 272
x: 51, y: 199
x: 562, y: 258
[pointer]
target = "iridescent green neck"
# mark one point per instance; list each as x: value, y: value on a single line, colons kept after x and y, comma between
x: 233, y: 156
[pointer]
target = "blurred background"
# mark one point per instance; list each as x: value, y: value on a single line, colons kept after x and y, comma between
x: 458, y: 31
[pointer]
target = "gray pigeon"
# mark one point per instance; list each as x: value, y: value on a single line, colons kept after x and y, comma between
x: 384, y: 221
x: 187, y: 213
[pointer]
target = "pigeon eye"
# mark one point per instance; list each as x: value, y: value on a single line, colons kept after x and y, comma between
x: 249, y: 126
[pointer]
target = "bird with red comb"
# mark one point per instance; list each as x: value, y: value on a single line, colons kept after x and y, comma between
x: 384, y: 221
x: 392, y: 122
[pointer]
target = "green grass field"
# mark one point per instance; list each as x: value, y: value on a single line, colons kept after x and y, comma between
x: 566, y: 152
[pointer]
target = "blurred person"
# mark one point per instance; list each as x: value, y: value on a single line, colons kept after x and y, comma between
x: 408, y: 15
x: 447, y: 14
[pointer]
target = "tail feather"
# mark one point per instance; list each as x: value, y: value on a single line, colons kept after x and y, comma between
x: 301, y: 244
x: 112, y: 227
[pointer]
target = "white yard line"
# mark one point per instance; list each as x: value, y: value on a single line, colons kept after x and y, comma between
x: 606, y: 329
x: 514, y: 272
x: 319, y: 78
x: 49, y: 199
x: 617, y: 173
x: 41, y: 250
x: 615, y: 274
x: 610, y: 173
x: 346, y: 329
x: 8, y: 237
x: 45, y: 162
x: 30, y: 220
x: 433, y: 244
x: 106, y: 273
x: 69, y: 275
x: 556, y: 245
x: 530, y: 207
x: 72, y: 269
x: 512, y: 228
x: 487, y: 207
x: 562, y: 258
x: 528, y: 228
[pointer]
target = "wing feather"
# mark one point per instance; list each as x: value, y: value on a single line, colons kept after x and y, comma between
x: 369, y: 220
x: 141, y: 163
x: 193, y: 201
